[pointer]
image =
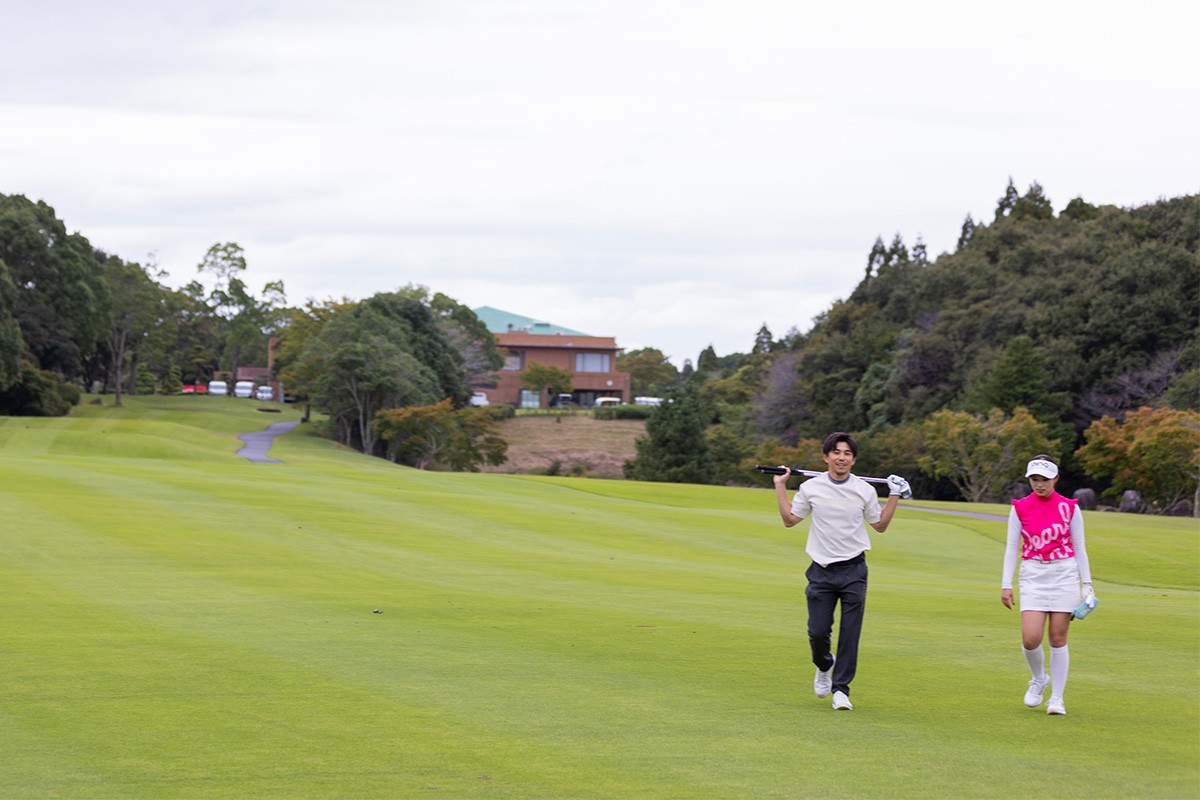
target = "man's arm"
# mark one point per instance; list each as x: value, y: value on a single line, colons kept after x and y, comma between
x: 785, y: 506
x: 897, y: 488
x: 886, y: 513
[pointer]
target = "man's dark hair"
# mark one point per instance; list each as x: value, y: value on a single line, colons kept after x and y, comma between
x: 831, y: 441
x: 1042, y: 457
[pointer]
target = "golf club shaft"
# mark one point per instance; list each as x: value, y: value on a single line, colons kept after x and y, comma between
x: 808, y: 473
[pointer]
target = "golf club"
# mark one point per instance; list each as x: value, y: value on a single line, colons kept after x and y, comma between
x: 808, y: 473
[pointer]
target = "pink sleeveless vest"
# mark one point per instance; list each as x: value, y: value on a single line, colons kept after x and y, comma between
x: 1046, y: 526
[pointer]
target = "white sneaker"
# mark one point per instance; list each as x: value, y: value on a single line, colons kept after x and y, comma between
x: 1056, y: 707
x: 841, y: 702
x: 1033, y: 697
x: 823, y: 681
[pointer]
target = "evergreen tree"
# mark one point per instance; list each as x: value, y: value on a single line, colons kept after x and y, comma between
x: 763, y: 341
x: 1034, y: 205
x: 675, y: 448
x: 1080, y: 210
x: 919, y: 257
x: 1008, y: 202
x: 877, y: 259
x: 968, y: 230
x: 707, y: 363
x: 1019, y: 377
x: 897, y: 254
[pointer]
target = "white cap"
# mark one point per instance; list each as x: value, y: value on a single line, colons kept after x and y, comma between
x: 1040, y: 466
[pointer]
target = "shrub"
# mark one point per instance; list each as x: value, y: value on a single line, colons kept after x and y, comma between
x: 627, y: 411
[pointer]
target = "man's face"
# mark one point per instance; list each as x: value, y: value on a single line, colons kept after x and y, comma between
x: 839, y: 460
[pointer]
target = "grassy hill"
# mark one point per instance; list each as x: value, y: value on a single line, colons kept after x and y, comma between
x: 570, y: 444
x: 181, y: 623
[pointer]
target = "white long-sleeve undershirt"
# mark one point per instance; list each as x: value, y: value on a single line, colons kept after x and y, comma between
x: 1012, y: 548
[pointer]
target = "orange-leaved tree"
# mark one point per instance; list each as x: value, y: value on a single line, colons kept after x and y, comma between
x: 1154, y: 451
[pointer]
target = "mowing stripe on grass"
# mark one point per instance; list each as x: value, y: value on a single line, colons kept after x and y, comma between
x: 204, y: 628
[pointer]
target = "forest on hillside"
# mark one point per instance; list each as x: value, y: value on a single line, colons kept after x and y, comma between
x: 1075, y: 317
x: 1038, y: 328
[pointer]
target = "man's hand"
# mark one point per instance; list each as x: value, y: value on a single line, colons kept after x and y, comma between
x: 781, y: 480
x: 1006, y: 597
x: 897, y: 485
x: 785, y: 507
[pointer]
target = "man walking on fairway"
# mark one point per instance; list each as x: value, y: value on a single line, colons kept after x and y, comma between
x: 841, y: 506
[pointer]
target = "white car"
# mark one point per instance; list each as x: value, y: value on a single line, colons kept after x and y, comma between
x: 243, y: 389
x: 264, y: 393
x: 218, y: 388
x: 606, y: 402
x: 479, y: 399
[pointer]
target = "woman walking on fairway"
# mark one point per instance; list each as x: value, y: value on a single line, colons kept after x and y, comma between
x: 841, y: 506
x: 1045, y: 530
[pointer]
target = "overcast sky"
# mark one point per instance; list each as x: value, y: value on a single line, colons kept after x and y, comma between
x: 671, y: 173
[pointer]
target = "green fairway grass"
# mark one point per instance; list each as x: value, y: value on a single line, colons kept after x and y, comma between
x: 181, y: 623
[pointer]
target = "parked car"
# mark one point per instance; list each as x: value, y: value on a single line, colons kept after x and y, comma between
x: 607, y: 402
x: 647, y: 401
x: 243, y: 389
x: 264, y: 393
x: 218, y: 388
x: 479, y: 399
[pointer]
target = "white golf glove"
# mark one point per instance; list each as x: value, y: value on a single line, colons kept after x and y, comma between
x: 897, y: 485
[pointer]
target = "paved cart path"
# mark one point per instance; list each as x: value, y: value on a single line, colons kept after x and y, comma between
x: 256, y: 445
x: 973, y: 514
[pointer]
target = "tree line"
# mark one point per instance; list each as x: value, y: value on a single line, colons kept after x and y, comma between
x: 1073, y: 333
x: 1040, y: 331
x: 74, y: 318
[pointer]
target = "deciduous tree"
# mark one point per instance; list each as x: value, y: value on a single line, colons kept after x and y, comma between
x: 135, y: 309
x: 248, y: 319
x: 650, y: 373
x: 424, y: 436
x: 543, y: 377
x: 11, y: 342
x: 60, y: 291
x: 360, y: 365
x: 1154, y: 451
x: 417, y: 435
x: 982, y: 455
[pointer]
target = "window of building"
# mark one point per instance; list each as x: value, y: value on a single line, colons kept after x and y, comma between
x: 531, y: 398
x: 592, y: 362
x: 514, y: 362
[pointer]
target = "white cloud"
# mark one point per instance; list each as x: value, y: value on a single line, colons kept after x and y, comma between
x: 671, y: 173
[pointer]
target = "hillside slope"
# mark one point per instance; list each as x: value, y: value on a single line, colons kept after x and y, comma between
x: 579, y: 443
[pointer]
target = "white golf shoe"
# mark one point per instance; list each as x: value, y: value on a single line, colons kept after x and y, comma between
x: 1056, y: 707
x: 841, y: 702
x: 1033, y: 697
x: 823, y: 681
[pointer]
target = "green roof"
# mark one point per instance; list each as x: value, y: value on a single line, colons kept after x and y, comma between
x: 498, y: 321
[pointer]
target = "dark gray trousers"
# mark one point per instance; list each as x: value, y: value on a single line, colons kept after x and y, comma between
x: 843, y: 582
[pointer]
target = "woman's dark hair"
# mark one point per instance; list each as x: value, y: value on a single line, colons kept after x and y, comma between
x: 831, y: 441
x: 1044, y: 457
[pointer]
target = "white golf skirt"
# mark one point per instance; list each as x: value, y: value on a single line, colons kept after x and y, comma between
x: 1049, y: 585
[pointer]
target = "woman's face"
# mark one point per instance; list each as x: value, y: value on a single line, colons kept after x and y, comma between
x: 1042, y: 487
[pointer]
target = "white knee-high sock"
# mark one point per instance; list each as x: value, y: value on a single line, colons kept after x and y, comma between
x: 1036, y: 659
x: 1060, y: 665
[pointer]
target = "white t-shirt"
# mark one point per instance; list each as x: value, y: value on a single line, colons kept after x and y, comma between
x: 840, y: 513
